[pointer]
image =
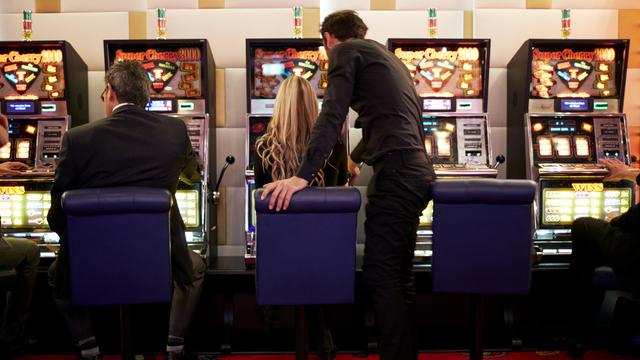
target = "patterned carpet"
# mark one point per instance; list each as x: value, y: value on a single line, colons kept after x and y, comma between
x: 524, y: 355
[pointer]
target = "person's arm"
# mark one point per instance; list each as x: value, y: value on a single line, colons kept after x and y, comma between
x: 63, y: 181
x: 358, y: 152
x: 343, y: 66
x: 619, y: 171
x: 4, y: 130
x: 12, y: 168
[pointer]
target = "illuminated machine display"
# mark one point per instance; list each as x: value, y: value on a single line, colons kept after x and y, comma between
x: 269, y: 62
x: 565, y: 114
x: 451, y: 78
x: 43, y: 92
x: 182, y: 76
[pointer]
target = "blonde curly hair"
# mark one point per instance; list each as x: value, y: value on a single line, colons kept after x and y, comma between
x: 284, y: 144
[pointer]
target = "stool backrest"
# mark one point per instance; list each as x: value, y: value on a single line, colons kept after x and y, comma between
x: 482, y: 236
x: 118, y: 242
x: 306, y: 254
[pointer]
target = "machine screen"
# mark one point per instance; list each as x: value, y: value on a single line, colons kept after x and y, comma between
x: 159, y: 105
x: 452, y: 71
x: 20, y: 107
x: 426, y: 218
x: 440, y: 139
x: 31, y: 73
x: 566, y: 201
x: 588, y: 72
x: 438, y: 104
x: 189, y: 207
x: 575, y: 105
x: 174, y: 72
x: 20, y: 208
x: 564, y: 140
x: 271, y: 65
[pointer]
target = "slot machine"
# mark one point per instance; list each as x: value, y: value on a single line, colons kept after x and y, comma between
x: 43, y: 92
x: 451, y: 77
x: 182, y: 81
x: 269, y: 62
x: 564, y: 114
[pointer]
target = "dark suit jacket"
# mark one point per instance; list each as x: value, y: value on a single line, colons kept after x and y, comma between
x: 130, y: 148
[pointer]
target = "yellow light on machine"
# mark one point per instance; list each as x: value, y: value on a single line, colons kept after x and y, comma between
x: 30, y: 129
x: 449, y: 127
x: 587, y: 187
x: 23, y: 147
x: 5, y: 151
x: 537, y: 127
x: 12, y: 190
x: 587, y: 127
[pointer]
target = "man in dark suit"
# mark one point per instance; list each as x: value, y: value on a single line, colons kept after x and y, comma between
x: 130, y: 147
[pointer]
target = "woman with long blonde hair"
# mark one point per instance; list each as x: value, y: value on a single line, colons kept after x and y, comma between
x: 279, y: 154
x: 281, y: 149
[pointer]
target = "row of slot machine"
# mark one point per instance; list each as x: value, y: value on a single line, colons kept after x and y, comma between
x: 564, y: 115
x: 43, y: 93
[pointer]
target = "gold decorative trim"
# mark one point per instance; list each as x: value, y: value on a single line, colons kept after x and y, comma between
x: 629, y: 28
x: 383, y: 4
x: 539, y: 4
x: 48, y: 6
x: 310, y: 23
x: 220, y: 115
x: 211, y: 4
x: 138, y: 25
x: 468, y: 24
x: 221, y: 227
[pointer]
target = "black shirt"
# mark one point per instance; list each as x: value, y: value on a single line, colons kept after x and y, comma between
x: 335, y: 169
x: 366, y: 76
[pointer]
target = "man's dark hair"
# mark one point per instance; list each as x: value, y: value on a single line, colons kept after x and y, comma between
x: 129, y: 81
x: 343, y: 25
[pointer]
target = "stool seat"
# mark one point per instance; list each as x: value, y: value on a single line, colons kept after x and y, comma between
x: 482, y: 241
x: 605, y: 278
x: 118, y: 241
x: 306, y: 254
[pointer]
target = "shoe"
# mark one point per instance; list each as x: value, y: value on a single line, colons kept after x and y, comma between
x: 176, y: 355
x: 95, y: 357
x: 327, y: 355
x: 577, y: 350
x: 16, y: 348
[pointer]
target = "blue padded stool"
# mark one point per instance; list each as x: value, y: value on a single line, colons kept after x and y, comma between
x: 470, y: 254
x: 605, y: 279
x: 119, y: 249
x: 306, y: 254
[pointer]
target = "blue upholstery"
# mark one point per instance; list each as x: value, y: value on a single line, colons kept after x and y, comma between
x: 605, y: 278
x: 118, y: 242
x: 306, y: 254
x: 482, y: 233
